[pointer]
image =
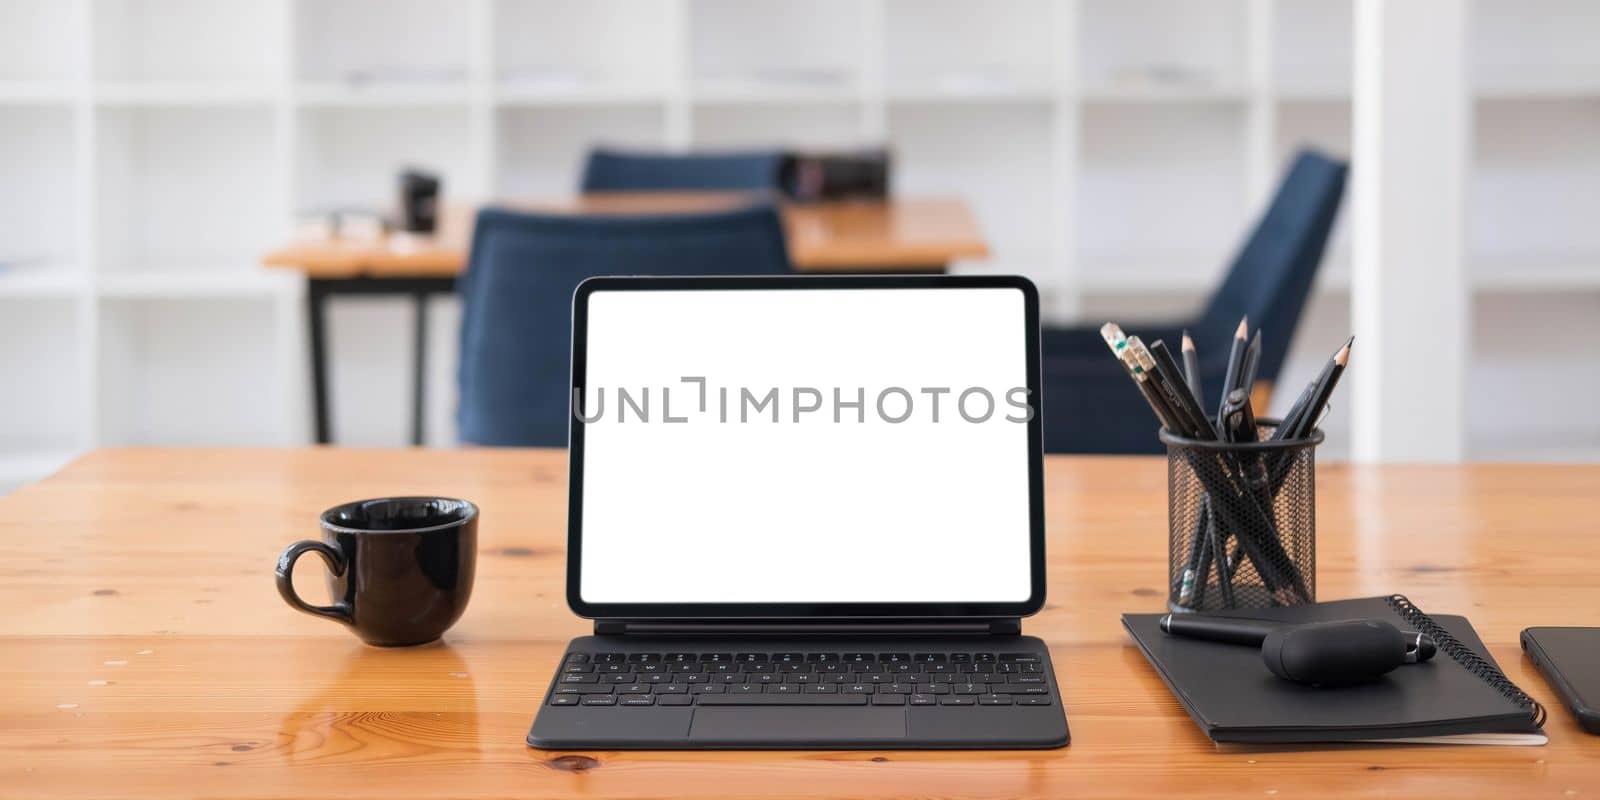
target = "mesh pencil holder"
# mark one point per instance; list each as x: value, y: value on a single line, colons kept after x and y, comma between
x: 1242, y: 522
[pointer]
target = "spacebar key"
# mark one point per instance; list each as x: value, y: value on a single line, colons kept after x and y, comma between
x: 781, y: 700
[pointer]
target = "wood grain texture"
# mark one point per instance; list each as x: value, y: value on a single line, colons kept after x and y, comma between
x: 144, y: 652
x: 912, y: 234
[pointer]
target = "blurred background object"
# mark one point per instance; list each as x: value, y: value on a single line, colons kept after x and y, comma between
x: 1114, y: 151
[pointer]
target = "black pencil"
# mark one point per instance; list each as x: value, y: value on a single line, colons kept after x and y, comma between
x: 1230, y: 377
x: 1191, y: 367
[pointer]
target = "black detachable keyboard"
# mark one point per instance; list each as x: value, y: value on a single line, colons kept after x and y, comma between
x: 801, y: 678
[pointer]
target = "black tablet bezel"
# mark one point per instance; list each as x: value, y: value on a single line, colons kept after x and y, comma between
x: 780, y: 611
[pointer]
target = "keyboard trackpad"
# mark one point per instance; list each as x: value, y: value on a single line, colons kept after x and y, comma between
x: 786, y: 724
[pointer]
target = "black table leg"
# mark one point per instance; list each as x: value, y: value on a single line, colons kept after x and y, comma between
x: 419, y: 365
x: 316, y: 318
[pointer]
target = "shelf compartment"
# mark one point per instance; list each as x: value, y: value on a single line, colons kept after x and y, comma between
x: 162, y: 380
x: 991, y: 157
x: 350, y: 157
x: 185, y: 188
x: 1535, y: 179
x: 41, y: 43
x: 933, y: 49
x: 577, y: 48
x: 1159, y: 185
x: 1535, y: 48
x: 43, y: 411
x: 376, y: 46
x: 749, y: 48
x: 1162, y: 48
x: 1313, y: 48
x: 541, y: 151
x: 38, y: 211
x: 177, y: 40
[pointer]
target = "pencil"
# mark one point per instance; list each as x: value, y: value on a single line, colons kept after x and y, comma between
x: 1230, y: 377
x: 1191, y: 366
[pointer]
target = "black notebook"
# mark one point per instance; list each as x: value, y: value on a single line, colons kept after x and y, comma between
x: 1458, y: 696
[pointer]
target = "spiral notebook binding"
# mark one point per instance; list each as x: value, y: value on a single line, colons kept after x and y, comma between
x: 1463, y: 655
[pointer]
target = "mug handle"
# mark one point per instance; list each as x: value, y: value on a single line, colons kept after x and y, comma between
x: 338, y: 612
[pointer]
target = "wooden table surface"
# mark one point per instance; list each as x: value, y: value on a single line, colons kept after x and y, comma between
x: 901, y: 234
x: 145, y: 653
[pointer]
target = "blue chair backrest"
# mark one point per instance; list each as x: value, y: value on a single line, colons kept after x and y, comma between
x: 615, y: 171
x: 516, y: 323
x: 1272, y: 275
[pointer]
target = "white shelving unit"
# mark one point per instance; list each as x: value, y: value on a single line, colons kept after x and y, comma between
x: 1112, y: 149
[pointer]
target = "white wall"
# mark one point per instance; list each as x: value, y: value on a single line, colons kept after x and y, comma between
x: 1114, y: 150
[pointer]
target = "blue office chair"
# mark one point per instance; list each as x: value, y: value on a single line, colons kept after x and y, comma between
x: 517, y: 301
x: 1089, y: 403
x: 616, y: 171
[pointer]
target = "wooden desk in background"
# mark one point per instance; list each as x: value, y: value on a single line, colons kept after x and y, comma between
x: 144, y: 652
x: 901, y: 235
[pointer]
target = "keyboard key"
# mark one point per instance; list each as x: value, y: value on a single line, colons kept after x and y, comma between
x: 900, y: 666
x: 783, y: 700
x: 983, y: 658
x: 786, y: 688
x: 1033, y: 700
x: 610, y: 658
x: 1026, y: 679
x: 715, y: 658
x: 674, y: 700
x: 822, y: 658
x: 934, y: 688
x: 888, y: 699
x: 620, y: 677
x: 764, y: 677
x: 789, y: 658
x: 690, y: 677
x: 967, y: 688
x: 929, y: 658
x: 800, y: 677
x: 832, y: 666
x: 746, y: 688
x: 604, y: 688
x: 655, y: 677
x: 835, y: 677
x: 934, y: 669
x: 856, y: 688
x: 672, y: 688
x: 722, y: 667
x: 923, y: 700
x: 994, y: 700
x: 859, y: 667
x: 896, y: 688
x: 638, y: 700
x: 564, y: 699
x: 707, y: 688
x: 688, y: 666
x: 644, y: 658
x: 746, y: 658
x: 858, y: 658
x: 946, y: 678
x: 577, y: 668
x: 1020, y: 688
x: 822, y: 688
x: 894, y: 658
x: 577, y: 658
x: 751, y: 666
x: 731, y: 677
x: 955, y: 700
x: 680, y: 658
x: 793, y: 667
x: 614, y: 668
x: 636, y: 688
x: 650, y: 667
x: 961, y: 658
x: 1019, y: 657
x: 600, y: 700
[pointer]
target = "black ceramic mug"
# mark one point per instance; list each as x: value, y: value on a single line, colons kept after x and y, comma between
x: 400, y: 568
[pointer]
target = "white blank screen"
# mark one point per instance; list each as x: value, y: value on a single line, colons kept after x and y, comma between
x: 814, y: 511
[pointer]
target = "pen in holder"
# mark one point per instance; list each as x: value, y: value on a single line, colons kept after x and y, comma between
x: 1242, y: 521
